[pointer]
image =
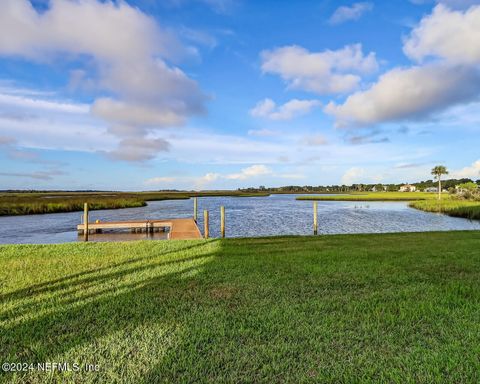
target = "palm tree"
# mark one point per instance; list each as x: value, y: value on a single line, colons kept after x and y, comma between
x: 438, y: 171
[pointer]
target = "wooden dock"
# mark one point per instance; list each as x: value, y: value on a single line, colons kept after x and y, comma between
x: 179, y: 229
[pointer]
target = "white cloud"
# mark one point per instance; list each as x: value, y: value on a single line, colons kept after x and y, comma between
x: 262, y: 132
x: 9, y: 100
x: 39, y: 120
x: 320, y: 72
x: 210, y: 177
x: 472, y: 172
x: 160, y: 180
x: 354, y: 12
x: 253, y: 171
x: 408, y: 93
x: 353, y: 175
x: 127, y: 48
x: 447, y: 34
x: 268, y: 109
x: 417, y: 92
x: 314, y: 140
x: 138, y: 149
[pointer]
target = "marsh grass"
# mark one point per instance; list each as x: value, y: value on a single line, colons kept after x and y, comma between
x: 373, y: 196
x: 449, y: 205
x: 38, y: 203
x: 29, y: 206
x: 389, y: 308
x: 452, y: 207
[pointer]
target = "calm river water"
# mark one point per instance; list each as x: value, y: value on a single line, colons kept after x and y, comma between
x: 245, y: 216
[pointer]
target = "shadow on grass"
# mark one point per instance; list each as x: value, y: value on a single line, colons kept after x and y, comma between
x: 246, y: 306
x: 46, y: 320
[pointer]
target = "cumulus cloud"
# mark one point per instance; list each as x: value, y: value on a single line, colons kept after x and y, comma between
x: 268, y: 109
x: 472, y: 172
x: 353, y: 175
x: 253, y: 171
x: 323, y: 72
x: 447, y: 34
x: 354, y: 12
x: 408, y: 94
x: 210, y: 177
x: 451, y: 39
x: 138, y: 149
x: 129, y: 51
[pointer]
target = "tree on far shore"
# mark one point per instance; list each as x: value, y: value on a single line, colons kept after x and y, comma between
x: 438, y: 171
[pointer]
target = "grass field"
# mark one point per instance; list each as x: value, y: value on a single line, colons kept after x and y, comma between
x: 396, y: 308
x: 52, y: 202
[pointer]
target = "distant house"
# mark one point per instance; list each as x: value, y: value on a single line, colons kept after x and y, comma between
x: 431, y: 189
x: 380, y: 188
x: 407, y: 188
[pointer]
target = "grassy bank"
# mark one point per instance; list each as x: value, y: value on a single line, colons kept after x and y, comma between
x: 458, y: 208
x: 38, y: 203
x: 11, y: 207
x: 428, y: 202
x: 373, y: 196
x: 347, y: 308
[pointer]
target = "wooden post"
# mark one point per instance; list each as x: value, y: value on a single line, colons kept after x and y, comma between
x: 222, y: 221
x: 205, y: 223
x: 315, y: 220
x: 85, y: 222
x: 195, y: 208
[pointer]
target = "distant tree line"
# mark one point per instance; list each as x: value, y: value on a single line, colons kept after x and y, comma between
x: 446, y: 184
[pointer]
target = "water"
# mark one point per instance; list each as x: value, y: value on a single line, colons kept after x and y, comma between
x: 245, y: 216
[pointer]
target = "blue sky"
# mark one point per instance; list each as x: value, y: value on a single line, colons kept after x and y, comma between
x: 209, y: 94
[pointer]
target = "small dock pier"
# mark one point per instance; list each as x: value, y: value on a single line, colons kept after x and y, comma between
x: 178, y: 229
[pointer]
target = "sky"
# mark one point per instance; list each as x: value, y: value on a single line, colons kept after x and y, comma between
x: 225, y: 94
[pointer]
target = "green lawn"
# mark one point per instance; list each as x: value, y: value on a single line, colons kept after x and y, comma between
x: 391, y: 308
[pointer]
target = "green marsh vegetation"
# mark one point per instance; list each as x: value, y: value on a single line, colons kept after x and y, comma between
x: 453, y: 207
x: 463, y: 202
x: 341, y: 308
x: 454, y: 204
x: 25, y: 203
x: 372, y: 196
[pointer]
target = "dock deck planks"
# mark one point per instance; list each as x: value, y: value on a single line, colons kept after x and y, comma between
x: 180, y: 229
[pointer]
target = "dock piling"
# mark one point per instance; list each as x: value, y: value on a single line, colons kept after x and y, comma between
x: 195, y: 208
x: 315, y: 218
x: 222, y: 221
x: 205, y: 224
x: 85, y: 221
